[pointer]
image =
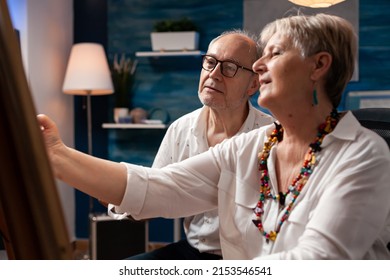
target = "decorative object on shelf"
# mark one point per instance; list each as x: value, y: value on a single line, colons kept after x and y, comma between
x: 159, y: 114
x: 140, y: 118
x: 169, y: 54
x: 146, y: 125
x: 175, y: 35
x: 121, y: 115
x: 123, y: 73
x: 138, y: 115
x: 88, y: 74
x: 316, y: 3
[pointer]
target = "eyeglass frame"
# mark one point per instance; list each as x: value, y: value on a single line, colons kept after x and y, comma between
x: 221, y: 62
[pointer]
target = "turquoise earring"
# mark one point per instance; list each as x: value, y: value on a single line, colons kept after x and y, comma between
x: 315, y: 99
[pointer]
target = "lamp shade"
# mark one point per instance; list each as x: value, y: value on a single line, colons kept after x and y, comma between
x: 316, y: 3
x: 88, y: 71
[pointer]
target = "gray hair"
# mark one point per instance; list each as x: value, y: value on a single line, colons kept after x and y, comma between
x: 244, y: 34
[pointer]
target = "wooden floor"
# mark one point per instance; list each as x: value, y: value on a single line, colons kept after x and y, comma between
x: 81, y: 249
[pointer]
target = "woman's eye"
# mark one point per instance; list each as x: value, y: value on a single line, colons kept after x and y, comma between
x: 266, y: 55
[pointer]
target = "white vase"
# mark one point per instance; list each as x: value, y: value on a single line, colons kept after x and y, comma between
x: 120, y: 113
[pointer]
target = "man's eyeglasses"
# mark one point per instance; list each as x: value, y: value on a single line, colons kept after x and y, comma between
x: 228, y: 68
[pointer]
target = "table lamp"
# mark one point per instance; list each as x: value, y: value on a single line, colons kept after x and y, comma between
x: 316, y: 3
x: 88, y: 74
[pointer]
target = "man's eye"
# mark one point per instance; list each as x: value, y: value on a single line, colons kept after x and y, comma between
x: 230, y: 67
x: 210, y: 62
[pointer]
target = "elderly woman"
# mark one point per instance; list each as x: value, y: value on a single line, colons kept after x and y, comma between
x: 312, y: 186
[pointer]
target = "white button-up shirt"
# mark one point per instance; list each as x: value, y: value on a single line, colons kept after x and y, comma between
x: 187, y: 137
x: 343, y: 212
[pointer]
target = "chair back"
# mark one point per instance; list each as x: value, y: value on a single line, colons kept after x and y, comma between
x: 375, y: 119
x: 378, y: 120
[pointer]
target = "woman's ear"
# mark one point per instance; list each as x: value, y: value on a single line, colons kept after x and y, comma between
x: 322, y: 63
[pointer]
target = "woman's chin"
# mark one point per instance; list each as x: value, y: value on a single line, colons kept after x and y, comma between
x: 262, y: 100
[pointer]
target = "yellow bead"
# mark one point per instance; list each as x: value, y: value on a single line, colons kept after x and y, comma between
x: 313, y: 159
x: 272, y: 235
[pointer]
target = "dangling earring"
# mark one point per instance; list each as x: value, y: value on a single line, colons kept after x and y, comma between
x: 315, y: 99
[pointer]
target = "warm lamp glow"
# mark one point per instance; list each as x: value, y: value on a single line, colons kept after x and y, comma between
x: 88, y: 74
x: 316, y: 3
x: 88, y: 71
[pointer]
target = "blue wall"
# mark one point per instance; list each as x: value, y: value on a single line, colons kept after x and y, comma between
x: 168, y: 83
x: 374, y: 47
x: 172, y: 83
x: 90, y: 25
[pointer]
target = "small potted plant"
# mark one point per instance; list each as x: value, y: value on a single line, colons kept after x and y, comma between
x: 175, y: 35
x: 123, y: 72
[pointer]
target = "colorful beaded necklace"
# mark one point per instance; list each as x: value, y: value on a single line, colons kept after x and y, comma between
x: 298, y: 183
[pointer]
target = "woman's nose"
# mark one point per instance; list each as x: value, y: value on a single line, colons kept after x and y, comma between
x: 259, y: 66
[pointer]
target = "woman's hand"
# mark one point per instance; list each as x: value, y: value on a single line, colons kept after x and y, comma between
x: 53, y: 141
x: 102, y: 179
x: 50, y: 133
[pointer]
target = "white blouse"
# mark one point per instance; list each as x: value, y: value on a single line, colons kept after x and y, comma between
x: 187, y: 137
x: 343, y: 212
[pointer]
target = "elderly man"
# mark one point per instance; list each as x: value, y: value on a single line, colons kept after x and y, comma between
x: 226, y: 84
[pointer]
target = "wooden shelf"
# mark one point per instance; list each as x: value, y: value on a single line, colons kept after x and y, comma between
x: 133, y: 126
x: 169, y: 53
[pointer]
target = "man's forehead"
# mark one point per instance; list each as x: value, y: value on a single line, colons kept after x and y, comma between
x: 231, y: 47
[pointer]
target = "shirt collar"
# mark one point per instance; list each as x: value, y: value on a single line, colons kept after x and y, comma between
x: 249, y: 123
x: 346, y: 129
x: 200, y: 122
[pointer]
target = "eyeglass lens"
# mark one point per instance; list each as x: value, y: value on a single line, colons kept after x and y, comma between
x: 228, y: 69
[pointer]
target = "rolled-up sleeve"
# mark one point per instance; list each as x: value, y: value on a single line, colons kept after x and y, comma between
x: 133, y: 200
x: 177, y: 190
